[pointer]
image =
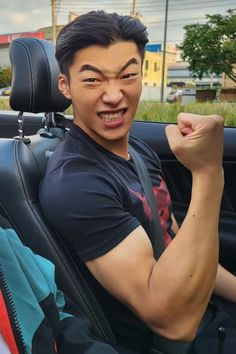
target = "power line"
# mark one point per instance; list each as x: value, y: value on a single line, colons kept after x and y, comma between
x: 80, y: 8
x: 111, y: 3
x: 138, y: 4
x: 178, y: 20
x: 118, y: 2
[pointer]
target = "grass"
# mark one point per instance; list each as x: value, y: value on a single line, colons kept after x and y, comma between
x: 4, y: 104
x: 157, y: 112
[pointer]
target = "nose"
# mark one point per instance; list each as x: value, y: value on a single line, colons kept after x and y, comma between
x: 112, y: 94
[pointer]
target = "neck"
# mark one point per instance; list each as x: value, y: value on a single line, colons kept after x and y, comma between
x: 118, y: 146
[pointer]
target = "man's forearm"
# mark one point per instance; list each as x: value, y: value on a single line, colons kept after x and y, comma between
x: 225, y: 284
x: 192, y: 255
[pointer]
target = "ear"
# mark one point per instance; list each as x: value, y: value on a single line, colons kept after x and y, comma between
x: 63, y: 85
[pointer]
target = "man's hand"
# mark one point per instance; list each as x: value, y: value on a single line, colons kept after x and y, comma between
x: 197, y: 141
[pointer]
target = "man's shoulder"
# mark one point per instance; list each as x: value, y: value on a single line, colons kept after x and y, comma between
x: 145, y: 151
x: 74, y: 168
x: 71, y: 152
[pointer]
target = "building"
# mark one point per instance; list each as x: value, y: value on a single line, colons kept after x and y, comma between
x: 179, y: 75
x: 6, y: 39
x: 152, y: 69
x: 152, y: 65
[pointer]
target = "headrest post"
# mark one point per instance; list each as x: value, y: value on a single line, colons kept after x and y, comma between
x: 21, y: 136
x: 45, y: 122
x: 20, y: 125
x: 51, y: 118
x: 48, y: 121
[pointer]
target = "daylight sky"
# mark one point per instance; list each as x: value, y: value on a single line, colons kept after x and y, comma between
x: 30, y: 15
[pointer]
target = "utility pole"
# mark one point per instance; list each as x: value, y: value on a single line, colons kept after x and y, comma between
x: 72, y: 15
x: 133, y: 13
x: 54, y: 21
x: 164, y: 54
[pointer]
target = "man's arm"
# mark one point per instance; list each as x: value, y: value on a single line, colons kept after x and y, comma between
x: 171, y: 294
x: 225, y: 283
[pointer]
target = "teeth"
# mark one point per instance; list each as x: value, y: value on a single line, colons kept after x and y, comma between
x: 109, y: 117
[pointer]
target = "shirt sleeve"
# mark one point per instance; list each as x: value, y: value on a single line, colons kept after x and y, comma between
x: 92, y: 218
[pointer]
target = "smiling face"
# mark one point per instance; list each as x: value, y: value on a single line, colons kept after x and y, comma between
x: 105, y: 86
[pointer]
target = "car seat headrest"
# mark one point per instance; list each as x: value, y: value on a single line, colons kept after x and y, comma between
x: 35, y: 76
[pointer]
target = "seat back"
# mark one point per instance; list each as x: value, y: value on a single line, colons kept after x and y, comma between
x: 22, y: 165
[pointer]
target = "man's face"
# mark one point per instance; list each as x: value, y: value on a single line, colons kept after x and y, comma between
x: 105, y: 86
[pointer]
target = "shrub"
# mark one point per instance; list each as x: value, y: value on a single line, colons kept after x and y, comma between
x: 5, y: 77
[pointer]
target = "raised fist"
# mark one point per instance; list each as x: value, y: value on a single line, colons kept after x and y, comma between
x: 197, y: 141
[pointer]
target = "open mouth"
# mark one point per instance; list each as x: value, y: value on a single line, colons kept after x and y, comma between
x: 112, y: 116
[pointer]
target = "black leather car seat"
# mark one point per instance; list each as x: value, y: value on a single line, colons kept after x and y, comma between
x: 22, y: 164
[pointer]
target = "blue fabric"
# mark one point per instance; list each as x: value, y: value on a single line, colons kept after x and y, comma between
x: 30, y: 279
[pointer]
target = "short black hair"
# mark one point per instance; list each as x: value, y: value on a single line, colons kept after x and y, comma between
x: 98, y: 28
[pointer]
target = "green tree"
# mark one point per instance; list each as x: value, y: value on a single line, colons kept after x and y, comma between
x: 5, y: 77
x: 210, y: 48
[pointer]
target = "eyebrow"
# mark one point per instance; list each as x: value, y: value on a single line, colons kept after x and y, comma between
x: 93, y: 68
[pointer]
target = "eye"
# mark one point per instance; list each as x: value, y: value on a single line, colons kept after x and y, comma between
x: 129, y: 76
x: 91, y: 80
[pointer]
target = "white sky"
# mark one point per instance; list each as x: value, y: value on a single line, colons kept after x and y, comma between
x: 30, y: 15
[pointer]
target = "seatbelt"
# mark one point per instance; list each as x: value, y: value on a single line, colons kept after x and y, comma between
x: 156, y: 234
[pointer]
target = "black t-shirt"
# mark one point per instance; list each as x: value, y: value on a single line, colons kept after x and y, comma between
x: 94, y: 199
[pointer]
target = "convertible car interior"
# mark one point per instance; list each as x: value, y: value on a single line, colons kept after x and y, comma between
x: 31, y: 132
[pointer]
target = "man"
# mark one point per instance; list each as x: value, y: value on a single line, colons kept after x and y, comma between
x: 92, y: 195
x: 34, y: 315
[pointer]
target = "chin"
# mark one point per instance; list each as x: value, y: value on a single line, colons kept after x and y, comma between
x: 115, y: 135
